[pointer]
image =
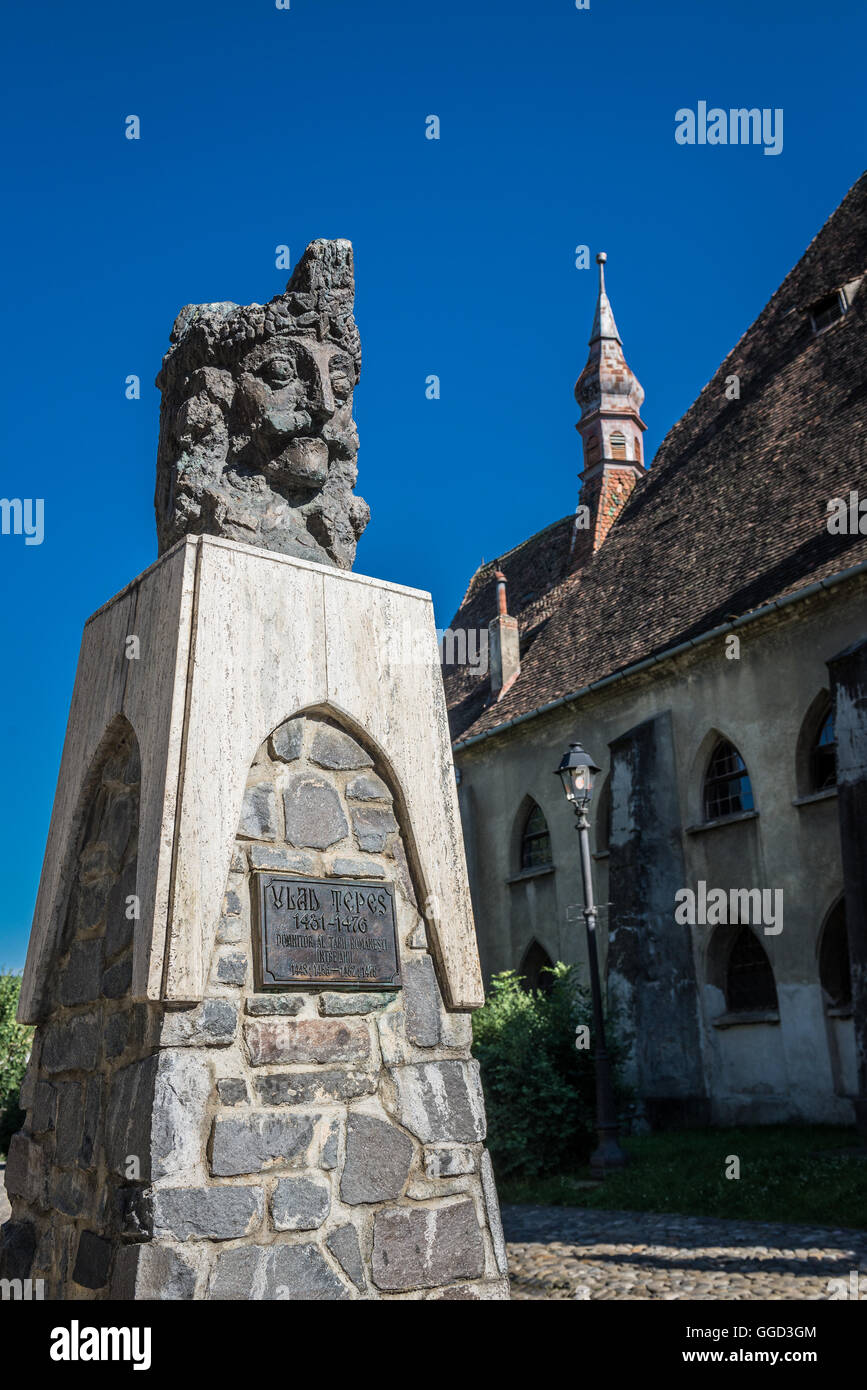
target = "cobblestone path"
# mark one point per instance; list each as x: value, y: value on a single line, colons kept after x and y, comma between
x: 567, y: 1252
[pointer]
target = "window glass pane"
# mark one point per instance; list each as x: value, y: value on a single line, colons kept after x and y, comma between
x: 750, y: 978
x: 727, y: 788
x: 535, y: 841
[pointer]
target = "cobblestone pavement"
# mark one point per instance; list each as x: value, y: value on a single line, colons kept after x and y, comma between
x: 568, y: 1252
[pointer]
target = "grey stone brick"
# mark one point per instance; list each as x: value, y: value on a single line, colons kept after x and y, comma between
x: 233, y: 1091
x: 207, y: 1213
x: 70, y: 1122
x: 151, y: 1271
x: 44, y: 1102
x: 259, y: 813
x: 306, y: 1040
x: 71, y: 1192
x: 356, y: 868
x: 449, y: 1162
x: 119, y: 821
x: 117, y: 1033
x: 129, y: 1110
x: 239, y: 1274
x: 331, y: 1148
x: 230, y: 930
x: 182, y: 1089
x: 90, y: 903
x: 232, y: 968
x: 17, y: 1248
x: 441, y: 1102
x: 368, y: 787
x: 314, y: 815
x: 79, y: 982
x: 119, y: 928
x: 372, y: 826
x: 422, y: 1001
x: 266, y: 1005
x: 281, y: 859
x: 213, y: 1023
x: 92, y: 1117
x: 378, y: 1159
x: 253, y: 1143
x: 25, y: 1169
x: 332, y: 748
x: 492, y: 1207
x: 336, y: 1005
x: 117, y: 980
x: 232, y: 906
x: 300, y: 1272
x: 72, y: 1045
x: 424, y: 1247
x: 344, y: 1246
x: 287, y: 742
x: 92, y: 1261
x: 300, y: 1204
x: 305, y: 1088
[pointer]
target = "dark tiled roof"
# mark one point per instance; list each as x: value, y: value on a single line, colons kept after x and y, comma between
x: 731, y: 516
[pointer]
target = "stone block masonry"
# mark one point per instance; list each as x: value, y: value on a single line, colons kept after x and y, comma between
x: 293, y: 1144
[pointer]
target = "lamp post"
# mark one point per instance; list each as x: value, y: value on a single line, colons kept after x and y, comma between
x: 577, y: 771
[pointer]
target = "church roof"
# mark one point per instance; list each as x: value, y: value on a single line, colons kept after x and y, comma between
x: 732, y: 515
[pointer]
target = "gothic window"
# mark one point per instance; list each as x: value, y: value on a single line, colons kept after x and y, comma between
x: 535, y: 840
x: 535, y: 968
x: 727, y: 788
x: 835, y: 970
x: 618, y: 445
x: 749, y: 977
x: 823, y: 755
x: 637, y: 444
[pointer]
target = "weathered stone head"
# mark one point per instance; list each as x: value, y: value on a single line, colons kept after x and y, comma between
x: 257, y: 441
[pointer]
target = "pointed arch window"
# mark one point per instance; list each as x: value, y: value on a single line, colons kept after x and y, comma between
x: 750, y: 983
x: 535, y: 969
x: 618, y: 445
x: 535, y: 840
x: 823, y: 755
x: 727, y: 787
x: 835, y: 968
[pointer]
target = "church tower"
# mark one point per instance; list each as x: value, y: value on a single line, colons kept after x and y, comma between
x: 611, y: 427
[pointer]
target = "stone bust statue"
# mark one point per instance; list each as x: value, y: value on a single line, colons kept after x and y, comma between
x: 257, y: 441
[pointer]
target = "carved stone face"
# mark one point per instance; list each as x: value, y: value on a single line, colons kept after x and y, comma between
x: 257, y: 440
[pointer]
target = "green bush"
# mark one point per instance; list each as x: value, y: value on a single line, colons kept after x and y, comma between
x: 540, y: 1089
x: 15, y: 1043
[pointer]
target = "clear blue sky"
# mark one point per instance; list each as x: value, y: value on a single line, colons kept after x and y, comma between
x: 263, y: 126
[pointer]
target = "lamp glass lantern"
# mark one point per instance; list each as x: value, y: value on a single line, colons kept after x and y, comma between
x: 577, y: 772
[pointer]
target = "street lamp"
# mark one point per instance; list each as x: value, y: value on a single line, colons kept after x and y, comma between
x: 577, y: 772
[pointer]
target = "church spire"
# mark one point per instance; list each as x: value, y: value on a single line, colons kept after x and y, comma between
x: 610, y: 397
x: 603, y: 322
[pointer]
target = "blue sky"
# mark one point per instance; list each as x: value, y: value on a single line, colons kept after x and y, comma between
x: 262, y: 127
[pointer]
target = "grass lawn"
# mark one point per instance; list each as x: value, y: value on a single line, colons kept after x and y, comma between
x: 811, y: 1175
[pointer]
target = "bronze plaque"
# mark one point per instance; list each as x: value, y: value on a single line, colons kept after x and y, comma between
x: 315, y: 931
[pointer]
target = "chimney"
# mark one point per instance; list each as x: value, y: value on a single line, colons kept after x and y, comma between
x: 503, y: 644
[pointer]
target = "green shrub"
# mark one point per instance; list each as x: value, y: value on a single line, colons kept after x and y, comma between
x: 540, y: 1089
x: 15, y: 1043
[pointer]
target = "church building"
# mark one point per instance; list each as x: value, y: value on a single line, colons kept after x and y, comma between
x: 701, y: 627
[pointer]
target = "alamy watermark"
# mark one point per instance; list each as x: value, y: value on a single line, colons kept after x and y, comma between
x: 738, y: 126
x: 23, y: 516
x: 410, y: 645
x: 711, y: 907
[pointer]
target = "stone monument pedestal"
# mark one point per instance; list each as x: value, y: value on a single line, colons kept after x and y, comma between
x: 253, y: 959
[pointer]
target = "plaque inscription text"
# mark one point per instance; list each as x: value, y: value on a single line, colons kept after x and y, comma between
x: 326, y: 931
